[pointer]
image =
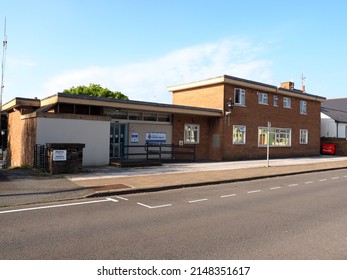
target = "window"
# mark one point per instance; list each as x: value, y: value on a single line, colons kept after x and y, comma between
x: 287, y: 102
x: 149, y: 117
x: 240, y: 97
x: 303, y: 136
x: 303, y: 107
x: 275, y: 100
x: 262, y: 98
x: 191, y: 133
x: 278, y: 137
x: 239, y: 134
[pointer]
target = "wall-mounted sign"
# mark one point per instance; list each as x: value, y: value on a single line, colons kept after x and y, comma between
x: 134, y: 137
x: 156, y: 137
x: 59, y: 155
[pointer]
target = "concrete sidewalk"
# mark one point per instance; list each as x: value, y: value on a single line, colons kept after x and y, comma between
x: 24, y: 186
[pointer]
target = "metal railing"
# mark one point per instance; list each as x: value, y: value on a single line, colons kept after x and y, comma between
x: 159, y: 152
x: 40, y: 157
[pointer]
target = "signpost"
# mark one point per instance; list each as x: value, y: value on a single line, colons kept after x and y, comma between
x: 268, y: 144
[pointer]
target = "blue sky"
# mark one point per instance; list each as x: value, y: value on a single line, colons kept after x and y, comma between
x: 142, y: 47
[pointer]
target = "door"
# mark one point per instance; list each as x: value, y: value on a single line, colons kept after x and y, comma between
x: 117, y: 140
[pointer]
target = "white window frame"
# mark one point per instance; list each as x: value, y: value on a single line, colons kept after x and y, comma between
x: 303, y: 107
x: 275, y: 101
x: 241, y: 99
x: 287, y: 102
x: 303, y: 136
x: 240, y: 139
x: 279, y: 137
x: 191, y: 133
x: 263, y: 98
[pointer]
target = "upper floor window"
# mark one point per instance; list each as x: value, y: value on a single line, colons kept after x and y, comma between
x: 262, y: 98
x: 303, y: 107
x: 287, y: 102
x: 191, y: 133
x: 275, y: 100
x: 240, y: 97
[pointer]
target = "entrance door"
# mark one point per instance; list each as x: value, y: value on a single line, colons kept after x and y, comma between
x: 117, y: 140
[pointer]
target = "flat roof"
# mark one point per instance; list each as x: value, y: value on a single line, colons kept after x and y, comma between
x: 110, y: 103
x: 226, y: 79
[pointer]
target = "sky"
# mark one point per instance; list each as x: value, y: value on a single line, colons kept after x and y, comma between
x: 142, y: 47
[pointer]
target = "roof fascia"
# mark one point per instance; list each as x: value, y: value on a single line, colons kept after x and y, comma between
x: 20, y: 102
x: 129, y: 105
x: 248, y: 84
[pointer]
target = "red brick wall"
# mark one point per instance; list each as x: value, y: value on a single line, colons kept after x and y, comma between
x: 253, y: 116
x: 206, y: 97
x: 204, y: 149
x: 21, y: 139
x: 341, y: 144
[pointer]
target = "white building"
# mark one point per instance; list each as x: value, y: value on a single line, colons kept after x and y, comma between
x: 334, y: 118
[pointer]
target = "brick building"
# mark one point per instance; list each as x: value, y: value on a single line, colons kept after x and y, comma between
x: 224, y: 118
x: 247, y: 108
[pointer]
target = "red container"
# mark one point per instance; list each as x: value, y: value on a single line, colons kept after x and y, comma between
x: 328, y: 149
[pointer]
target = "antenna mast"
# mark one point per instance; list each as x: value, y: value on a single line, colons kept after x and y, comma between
x: 303, y: 82
x: 4, y: 47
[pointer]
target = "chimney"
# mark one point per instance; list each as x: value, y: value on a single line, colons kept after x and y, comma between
x: 303, y: 88
x: 287, y: 85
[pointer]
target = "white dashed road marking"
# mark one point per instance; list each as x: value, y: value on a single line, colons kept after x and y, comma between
x: 254, y: 191
x: 198, y: 200
x: 309, y: 182
x: 335, y: 178
x: 275, y: 188
x: 228, y: 195
x: 322, y: 180
x: 293, y: 185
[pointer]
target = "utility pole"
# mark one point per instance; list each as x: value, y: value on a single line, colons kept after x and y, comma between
x: 4, y: 48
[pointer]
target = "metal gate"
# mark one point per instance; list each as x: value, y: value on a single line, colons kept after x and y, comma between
x: 40, y: 157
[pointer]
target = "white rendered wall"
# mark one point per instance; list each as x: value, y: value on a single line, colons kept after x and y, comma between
x: 94, y: 134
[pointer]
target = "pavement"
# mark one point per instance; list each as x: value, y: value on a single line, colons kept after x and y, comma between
x: 27, y: 186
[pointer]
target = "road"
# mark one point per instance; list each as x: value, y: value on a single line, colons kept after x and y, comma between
x: 292, y: 217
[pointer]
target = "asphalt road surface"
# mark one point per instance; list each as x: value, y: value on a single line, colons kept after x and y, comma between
x: 292, y: 217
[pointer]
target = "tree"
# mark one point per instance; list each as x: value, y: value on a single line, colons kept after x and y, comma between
x: 96, y: 90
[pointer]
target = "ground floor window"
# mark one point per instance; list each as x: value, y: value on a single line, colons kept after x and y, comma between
x: 239, y: 134
x: 191, y: 133
x: 303, y: 136
x: 278, y: 137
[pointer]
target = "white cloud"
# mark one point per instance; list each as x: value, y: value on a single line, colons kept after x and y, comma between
x: 148, y: 80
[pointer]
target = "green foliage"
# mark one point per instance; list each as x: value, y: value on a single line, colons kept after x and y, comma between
x: 96, y: 90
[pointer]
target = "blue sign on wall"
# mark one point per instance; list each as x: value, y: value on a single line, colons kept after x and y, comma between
x: 155, y: 137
